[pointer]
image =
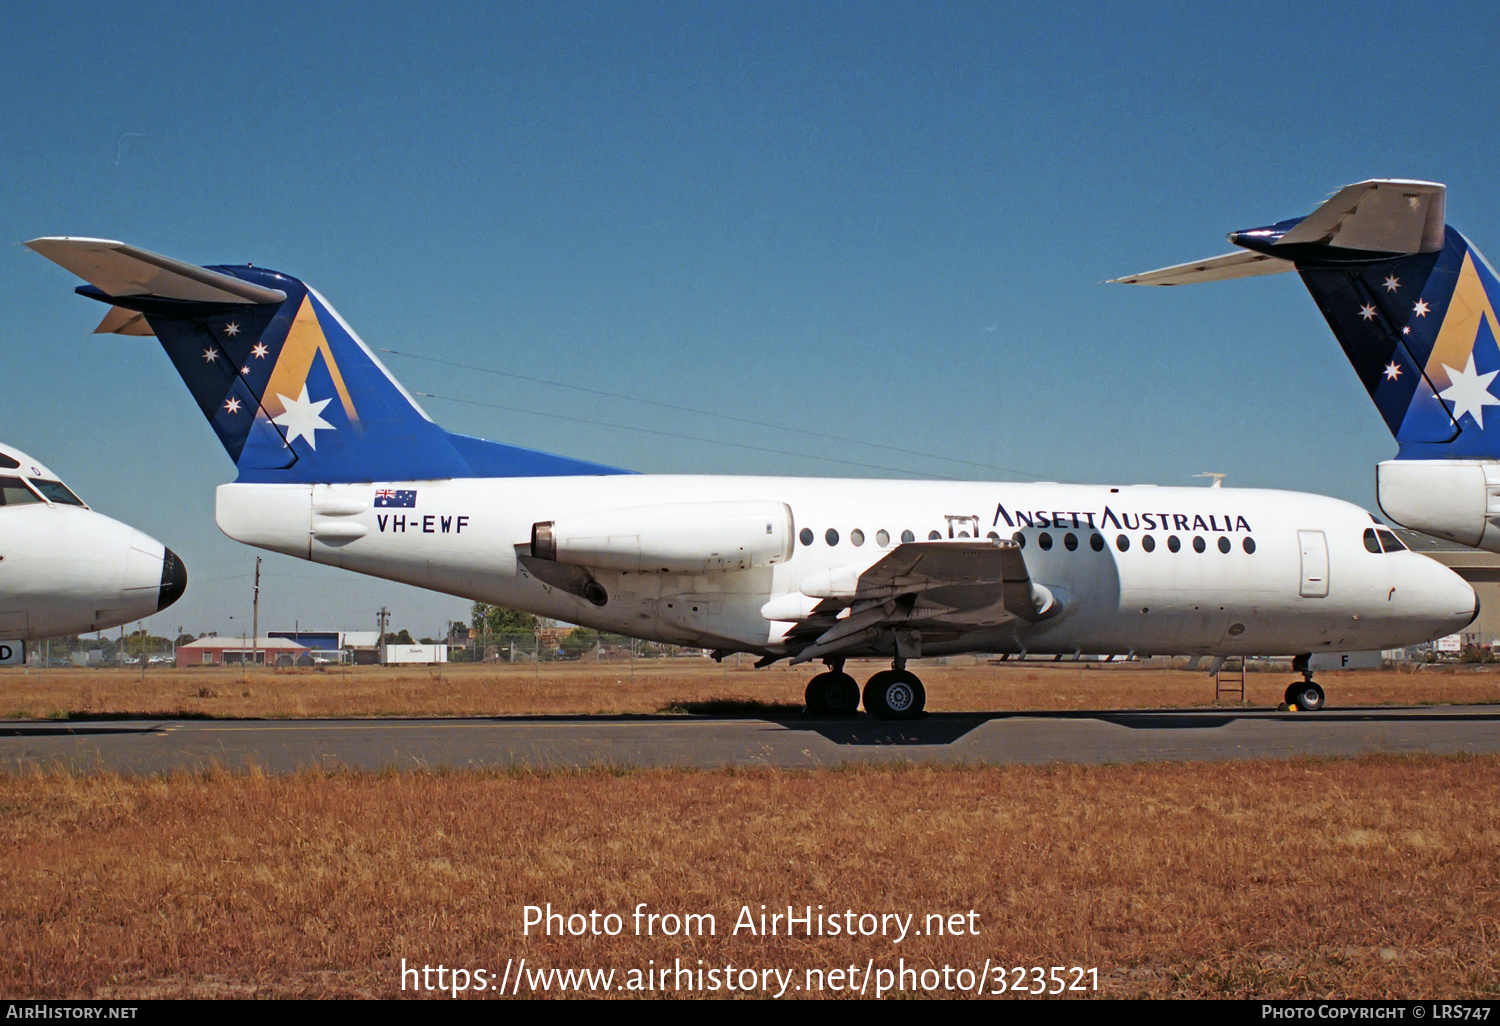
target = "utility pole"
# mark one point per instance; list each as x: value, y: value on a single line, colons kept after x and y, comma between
x: 255, y: 617
x: 381, y: 618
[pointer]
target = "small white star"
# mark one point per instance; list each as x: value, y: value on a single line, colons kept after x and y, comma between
x: 244, y: 370
x: 1469, y: 392
x: 1421, y: 308
x: 232, y: 405
x: 260, y: 351
x: 210, y: 355
x: 1406, y: 331
x: 1392, y: 371
x: 302, y: 419
x: 231, y: 329
x: 1367, y: 311
x: 1392, y: 283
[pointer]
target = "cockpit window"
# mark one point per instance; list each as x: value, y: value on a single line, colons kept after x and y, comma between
x: 1382, y: 541
x: 13, y: 492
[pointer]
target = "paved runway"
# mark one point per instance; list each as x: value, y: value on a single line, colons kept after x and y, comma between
x: 282, y: 746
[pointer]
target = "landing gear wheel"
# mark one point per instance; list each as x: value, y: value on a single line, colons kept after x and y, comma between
x: 895, y: 695
x: 1306, y: 695
x: 832, y: 694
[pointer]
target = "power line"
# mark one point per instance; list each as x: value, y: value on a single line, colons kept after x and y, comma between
x: 677, y: 434
x: 697, y: 412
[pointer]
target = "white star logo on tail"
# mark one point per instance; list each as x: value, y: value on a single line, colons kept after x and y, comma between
x: 1392, y: 283
x: 1367, y: 311
x: 302, y: 419
x: 1392, y: 371
x: 1470, y: 392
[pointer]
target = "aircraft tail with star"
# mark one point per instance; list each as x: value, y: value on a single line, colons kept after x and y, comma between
x: 1413, y: 304
x: 1410, y: 300
x: 291, y: 391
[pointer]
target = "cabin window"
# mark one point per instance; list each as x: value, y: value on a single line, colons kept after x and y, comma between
x: 856, y: 537
x: 907, y: 537
x: 934, y: 535
x: 882, y: 537
x: 993, y: 536
x: 1249, y: 546
x: 831, y: 537
x: 1173, y: 544
x: 1096, y: 543
x: 806, y: 537
x: 1199, y: 545
x: 1019, y: 539
x: 1224, y: 545
x: 1148, y: 543
x: 1044, y: 541
x: 14, y: 493
x: 1122, y: 543
x: 1070, y: 541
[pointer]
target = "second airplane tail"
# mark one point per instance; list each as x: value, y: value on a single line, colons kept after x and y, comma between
x: 1410, y: 300
x: 292, y: 392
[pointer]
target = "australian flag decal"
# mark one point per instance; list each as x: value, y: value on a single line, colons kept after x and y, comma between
x: 387, y: 498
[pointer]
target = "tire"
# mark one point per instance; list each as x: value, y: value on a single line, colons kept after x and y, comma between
x: 832, y: 694
x: 895, y: 695
x: 1308, y: 697
x: 816, y: 695
x: 841, y: 694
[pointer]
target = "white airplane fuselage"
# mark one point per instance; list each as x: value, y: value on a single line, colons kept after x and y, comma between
x: 1305, y: 582
x: 65, y: 569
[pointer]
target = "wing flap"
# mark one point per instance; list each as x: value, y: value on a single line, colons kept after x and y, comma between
x: 952, y: 585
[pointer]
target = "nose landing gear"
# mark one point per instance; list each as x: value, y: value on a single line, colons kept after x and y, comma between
x: 1304, y: 694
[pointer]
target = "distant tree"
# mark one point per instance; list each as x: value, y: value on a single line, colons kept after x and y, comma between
x: 579, y: 642
x: 499, y: 620
x: 403, y: 637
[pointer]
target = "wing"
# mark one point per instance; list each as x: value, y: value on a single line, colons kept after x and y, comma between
x: 936, y: 587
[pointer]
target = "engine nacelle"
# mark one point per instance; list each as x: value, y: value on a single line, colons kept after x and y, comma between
x: 1454, y: 499
x: 674, y: 538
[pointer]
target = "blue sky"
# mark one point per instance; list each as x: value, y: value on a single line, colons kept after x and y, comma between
x: 883, y: 222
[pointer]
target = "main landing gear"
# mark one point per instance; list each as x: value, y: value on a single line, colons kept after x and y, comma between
x: 1304, y: 694
x: 894, y: 694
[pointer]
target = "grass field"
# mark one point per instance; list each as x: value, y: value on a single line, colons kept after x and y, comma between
x: 1341, y: 878
x: 650, y: 686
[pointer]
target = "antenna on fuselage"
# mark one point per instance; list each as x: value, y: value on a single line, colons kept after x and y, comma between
x: 1218, y: 478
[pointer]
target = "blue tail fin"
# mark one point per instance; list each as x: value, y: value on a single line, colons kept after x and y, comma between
x: 1409, y: 299
x: 1420, y: 331
x: 292, y: 392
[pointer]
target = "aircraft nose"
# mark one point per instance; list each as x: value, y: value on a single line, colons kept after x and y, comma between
x: 173, y: 579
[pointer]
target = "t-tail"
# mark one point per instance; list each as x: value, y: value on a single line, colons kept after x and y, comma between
x: 1412, y: 303
x: 292, y: 392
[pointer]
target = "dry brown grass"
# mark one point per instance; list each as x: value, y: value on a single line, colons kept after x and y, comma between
x: 656, y: 685
x: 1360, y: 878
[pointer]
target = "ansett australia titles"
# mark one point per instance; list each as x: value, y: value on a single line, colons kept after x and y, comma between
x: 749, y: 921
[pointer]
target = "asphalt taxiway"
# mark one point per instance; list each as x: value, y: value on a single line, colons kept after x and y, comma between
x: 156, y: 746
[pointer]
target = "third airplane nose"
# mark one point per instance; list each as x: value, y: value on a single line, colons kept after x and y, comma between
x: 173, y: 579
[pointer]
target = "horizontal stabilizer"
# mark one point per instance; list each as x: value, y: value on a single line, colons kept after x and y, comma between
x: 120, y: 270
x: 1383, y: 215
x: 1220, y: 268
x: 120, y: 321
x: 1362, y: 223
